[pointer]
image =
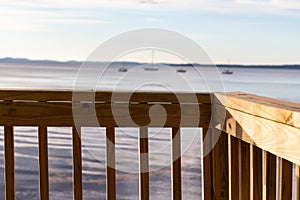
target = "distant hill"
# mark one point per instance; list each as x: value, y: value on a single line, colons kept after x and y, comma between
x: 24, y: 60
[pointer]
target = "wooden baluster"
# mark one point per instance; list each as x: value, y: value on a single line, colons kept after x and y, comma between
x: 176, y: 158
x: 297, y: 182
x: 207, y: 165
x: 43, y: 163
x: 144, y: 164
x: 235, y: 171
x: 220, y: 167
x: 285, y: 179
x: 77, y: 164
x: 257, y: 173
x: 269, y: 176
x: 245, y: 170
x: 110, y: 164
x: 10, y: 187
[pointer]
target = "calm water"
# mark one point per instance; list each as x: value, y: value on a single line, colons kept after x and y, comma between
x: 277, y: 83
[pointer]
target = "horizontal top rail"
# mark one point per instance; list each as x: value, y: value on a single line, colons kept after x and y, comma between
x: 104, y: 96
x: 268, y: 108
x: 271, y: 124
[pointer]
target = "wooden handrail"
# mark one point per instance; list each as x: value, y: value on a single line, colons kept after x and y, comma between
x: 257, y: 132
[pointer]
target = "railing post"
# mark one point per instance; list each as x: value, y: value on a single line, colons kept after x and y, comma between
x: 43, y: 163
x: 77, y: 164
x: 220, y: 167
x: 257, y: 173
x: 207, y: 165
x: 110, y: 164
x: 285, y: 179
x: 176, y: 167
x: 297, y: 182
x: 144, y: 163
x: 235, y: 171
x: 10, y: 186
x: 269, y: 192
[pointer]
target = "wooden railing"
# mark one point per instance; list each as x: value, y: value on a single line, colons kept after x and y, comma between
x: 247, y: 139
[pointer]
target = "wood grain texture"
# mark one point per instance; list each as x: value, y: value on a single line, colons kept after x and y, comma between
x: 176, y: 167
x: 10, y: 185
x: 268, y: 108
x: 110, y: 164
x: 61, y: 114
x: 285, y: 179
x: 43, y: 163
x: 207, y: 165
x: 280, y: 139
x: 77, y: 164
x: 257, y: 173
x: 220, y: 168
x: 104, y: 96
x: 144, y: 164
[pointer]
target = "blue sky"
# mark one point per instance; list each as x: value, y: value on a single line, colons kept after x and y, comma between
x: 244, y: 31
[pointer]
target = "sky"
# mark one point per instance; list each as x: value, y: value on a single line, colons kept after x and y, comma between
x: 242, y: 31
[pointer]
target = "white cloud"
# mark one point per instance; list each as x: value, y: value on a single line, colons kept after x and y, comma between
x: 33, y: 14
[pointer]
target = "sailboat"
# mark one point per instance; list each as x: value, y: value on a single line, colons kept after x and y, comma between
x: 227, y: 71
x: 122, y: 69
x: 151, y: 67
x: 181, y: 70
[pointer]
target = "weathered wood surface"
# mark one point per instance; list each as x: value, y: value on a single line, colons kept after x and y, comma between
x: 105, y: 96
x: 61, y: 114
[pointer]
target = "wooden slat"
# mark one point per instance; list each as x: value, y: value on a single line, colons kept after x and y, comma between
x: 10, y: 187
x: 245, y: 170
x: 77, y: 164
x: 278, y: 138
x: 297, y: 182
x: 61, y: 114
x: 207, y: 165
x: 103, y: 96
x: 270, y: 176
x: 257, y: 173
x: 235, y: 171
x: 176, y: 167
x: 220, y: 168
x: 268, y: 108
x: 110, y: 164
x: 144, y: 164
x: 43, y: 163
x: 286, y: 179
